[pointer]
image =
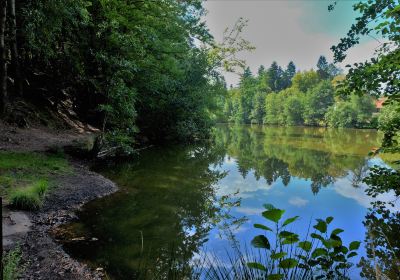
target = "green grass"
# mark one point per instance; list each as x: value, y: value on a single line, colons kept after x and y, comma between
x: 11, y: 264
x: 31, y: 197
x: 26, y: 177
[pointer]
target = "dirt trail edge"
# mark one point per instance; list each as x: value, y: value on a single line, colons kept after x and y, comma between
x: 43, y: 258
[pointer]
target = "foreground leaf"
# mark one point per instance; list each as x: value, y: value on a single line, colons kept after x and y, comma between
x: 260, y: 241
x: 288, y: 263
x: 273, y: 215
x: 260, y: 226
x: 305, y: 245
x: 354, y: 245
x: 256, y: 265
x: 290, y: 220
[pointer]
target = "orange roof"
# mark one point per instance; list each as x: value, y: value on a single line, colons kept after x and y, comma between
x: 379, y: 102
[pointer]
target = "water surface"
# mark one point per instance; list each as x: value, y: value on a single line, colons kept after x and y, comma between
x: 169, y: 208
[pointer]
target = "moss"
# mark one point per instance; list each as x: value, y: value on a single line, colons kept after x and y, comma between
x: 25, y: 177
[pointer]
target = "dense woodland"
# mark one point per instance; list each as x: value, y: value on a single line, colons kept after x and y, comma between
x: 150, y: 71
x: 277, y: 96
x: 138, y: 70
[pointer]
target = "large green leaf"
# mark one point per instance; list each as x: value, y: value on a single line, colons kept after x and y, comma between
x: 275, y: 277
x: 284, y: 234
x: 260, y: 241
x: 319, y: 252
x: 260, y: 226
x: 273, y: 215
x: 291, y: 239
x: 321, y: 226
x: 329, y: 220
x: 354, y: 245
x: 337, y: 231
x: 305, y: 245
x: 256, y: 265
x: 268, y: 206
x: 279, y: 255
x: 290, y: 220
x: 352, y: 254
x: 288, y: 263
x: 317, y: 236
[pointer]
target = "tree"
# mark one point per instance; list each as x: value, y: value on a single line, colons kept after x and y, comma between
x: 357, y: 111
x: 317, y: 102
x: 274, y: 76
x: 3, y: 61
x: 322, y: 67
x: 258, y: 112
x: 14, y: 48
x: 293, y: 110
x: 304, y: 81
x: 291, y: 70
x: 261, y: 70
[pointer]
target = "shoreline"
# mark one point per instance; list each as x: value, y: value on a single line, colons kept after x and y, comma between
x: 42, y: 256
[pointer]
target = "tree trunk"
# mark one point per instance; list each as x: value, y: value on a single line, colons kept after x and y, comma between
x: 14, y: 48
x: 3, y: 61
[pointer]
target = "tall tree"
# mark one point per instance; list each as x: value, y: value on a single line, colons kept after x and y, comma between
x: 288, y: 75
x: 3, y: 61
x: 261, y: 70
x: 291, y: 70
x: 14, y: 49
x: 274, y: 76
x: 322, y: 67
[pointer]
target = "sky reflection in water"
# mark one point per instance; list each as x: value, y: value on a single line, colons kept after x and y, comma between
x: 168, y: 196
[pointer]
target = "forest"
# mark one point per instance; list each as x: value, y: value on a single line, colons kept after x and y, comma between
x: 277, y: 96
x: 125, y: 150
x: 139, y: 70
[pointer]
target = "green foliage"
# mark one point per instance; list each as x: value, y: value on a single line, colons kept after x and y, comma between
x: 355, y: 112
x: 317, y: 102
x: 323, y: 256
x: 380, y: 74
x: 306, y: 98
x: 12, y: 264
x: 128, y: 67
x: 303, y: 81
x: 389, y: 122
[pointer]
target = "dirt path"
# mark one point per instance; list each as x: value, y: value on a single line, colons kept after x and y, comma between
x: 43, y: 258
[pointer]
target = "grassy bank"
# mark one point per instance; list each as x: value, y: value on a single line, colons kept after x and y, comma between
x: 26, y: 177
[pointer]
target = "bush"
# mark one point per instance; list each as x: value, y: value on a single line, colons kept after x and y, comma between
x: 31, y: 197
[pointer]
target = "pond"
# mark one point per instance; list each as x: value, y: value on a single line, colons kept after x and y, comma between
x: 177, y: 203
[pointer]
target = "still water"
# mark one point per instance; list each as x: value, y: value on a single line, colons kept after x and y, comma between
x: 178, y: 203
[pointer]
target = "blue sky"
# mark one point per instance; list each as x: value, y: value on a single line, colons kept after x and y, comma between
x: 284, y: 30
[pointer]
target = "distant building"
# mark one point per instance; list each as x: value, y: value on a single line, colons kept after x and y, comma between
x: 379, y: 103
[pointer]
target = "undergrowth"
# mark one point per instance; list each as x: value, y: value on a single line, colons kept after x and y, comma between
x: 12, y: 264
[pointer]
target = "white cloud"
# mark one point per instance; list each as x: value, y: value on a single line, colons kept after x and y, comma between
x: 343, y: 186
x: 298, y: 201
x: 250, y: 211
x: 277, y: 31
